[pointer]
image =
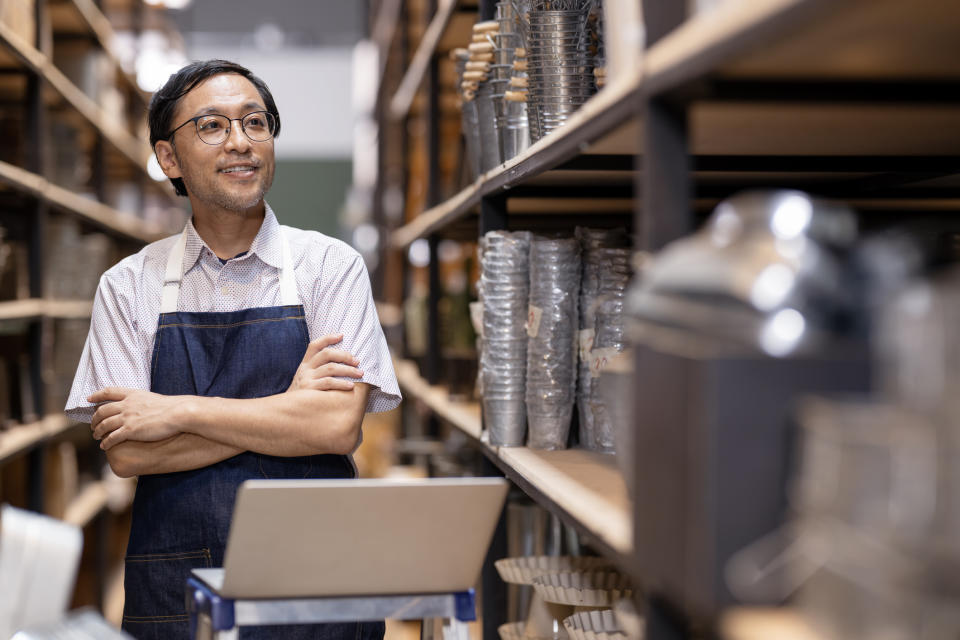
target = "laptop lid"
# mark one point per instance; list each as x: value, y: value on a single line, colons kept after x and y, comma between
x: 303, y: 538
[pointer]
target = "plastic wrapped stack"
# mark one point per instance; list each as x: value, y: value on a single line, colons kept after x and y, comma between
x: 552, y: 329
x: 504, y: 290
x: 606, y: 273
x: 560, y: 65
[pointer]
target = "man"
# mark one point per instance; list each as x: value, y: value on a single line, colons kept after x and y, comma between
x: 199, y: 371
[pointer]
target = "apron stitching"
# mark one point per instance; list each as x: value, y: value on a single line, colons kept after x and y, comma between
x: 233, y: 324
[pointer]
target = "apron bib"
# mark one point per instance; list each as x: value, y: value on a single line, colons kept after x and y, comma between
x: 181, y: 520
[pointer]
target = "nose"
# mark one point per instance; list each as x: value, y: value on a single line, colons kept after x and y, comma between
x: 236, y: 140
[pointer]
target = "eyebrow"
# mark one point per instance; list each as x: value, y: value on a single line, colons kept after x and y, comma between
x: 252, y: 106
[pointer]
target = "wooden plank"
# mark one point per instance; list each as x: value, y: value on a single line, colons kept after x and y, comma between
x: 18, y: 440
x: 765, y: 623
x: 71, y: 202
x: 137, y: 151
x: 91, y: 500
x: 403, y: 98
x: 585, y: 484
x: 711, y: 37
x: 101, y: 27
x: 463, y: 415
x: 600, y: 115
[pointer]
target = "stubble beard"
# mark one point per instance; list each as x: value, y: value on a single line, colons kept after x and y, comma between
x: 213, y: 194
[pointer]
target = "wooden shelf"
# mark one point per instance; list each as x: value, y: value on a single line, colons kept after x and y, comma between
x: 71, y: 202
x: 463, y: 415
x: 91, y: 500
x: 136, y: 151
x: 38, y: 308
x: 583, y: 487
x: 403, y: 98
x: 18, y: 440
x: 773, y: 42
x: 82, y: 17
x: 601, y: 127
x: 763, y: 624
x: 810, y: 39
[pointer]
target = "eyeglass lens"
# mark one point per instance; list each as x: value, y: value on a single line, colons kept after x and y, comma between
x: 258, y: 126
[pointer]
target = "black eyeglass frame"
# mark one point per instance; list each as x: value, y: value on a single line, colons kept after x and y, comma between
x: 271, y: 118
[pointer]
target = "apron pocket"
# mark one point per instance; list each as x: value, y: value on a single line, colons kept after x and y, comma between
x: 156, y: 587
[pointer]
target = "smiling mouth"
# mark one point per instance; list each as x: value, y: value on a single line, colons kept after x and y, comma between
x: 239, y: 169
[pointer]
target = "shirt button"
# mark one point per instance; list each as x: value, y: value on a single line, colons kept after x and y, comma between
x: 223, y: 290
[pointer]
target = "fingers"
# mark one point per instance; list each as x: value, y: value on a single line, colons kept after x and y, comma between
x: 320, y: 344
x: 103, y: 412
x: 109, y: 394
x: 115, y: 438
x: 330, y: 384
x: 107, y: 426
x: 332, y: 355
x: 335, y: 369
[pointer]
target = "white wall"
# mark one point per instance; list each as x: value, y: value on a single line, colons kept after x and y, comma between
x: 313, y: 89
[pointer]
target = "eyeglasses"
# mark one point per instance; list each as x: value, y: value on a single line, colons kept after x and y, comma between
x: 213, y: 129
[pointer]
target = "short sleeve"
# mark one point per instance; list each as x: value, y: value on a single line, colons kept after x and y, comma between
x: 343, y: 303
x: 112, y: 355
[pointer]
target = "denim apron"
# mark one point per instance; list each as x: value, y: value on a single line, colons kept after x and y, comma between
x: 181, y: 520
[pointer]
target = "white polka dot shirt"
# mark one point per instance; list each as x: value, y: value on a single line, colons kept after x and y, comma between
x: 331, y: 279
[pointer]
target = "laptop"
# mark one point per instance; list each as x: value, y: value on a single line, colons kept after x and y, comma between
x: 316, y: 538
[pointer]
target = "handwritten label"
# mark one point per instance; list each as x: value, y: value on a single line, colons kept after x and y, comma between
x: 476, y: 317
x: 600, y: 358
x: 533, y: 321
x: 585, y: 339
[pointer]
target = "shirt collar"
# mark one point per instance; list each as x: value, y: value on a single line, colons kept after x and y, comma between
x: 266, y: 244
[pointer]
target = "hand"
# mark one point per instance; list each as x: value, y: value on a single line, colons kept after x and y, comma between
x: 132, y: 414
x: 320, y: 363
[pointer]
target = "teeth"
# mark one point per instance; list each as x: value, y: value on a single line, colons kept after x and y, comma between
x: 236, y: 169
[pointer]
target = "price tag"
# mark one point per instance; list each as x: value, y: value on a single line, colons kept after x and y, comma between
x: 476, y: 317
x: 599, y: 358
x: 586, y: 337
x: 533, y: 321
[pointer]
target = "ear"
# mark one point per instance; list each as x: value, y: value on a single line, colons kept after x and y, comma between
x: 167, y: 157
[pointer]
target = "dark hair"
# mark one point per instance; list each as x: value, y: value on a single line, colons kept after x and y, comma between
x: 165, y: 101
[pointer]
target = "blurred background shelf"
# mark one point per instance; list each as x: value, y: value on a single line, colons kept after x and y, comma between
x: 20, y: 439
x: 585, y: 488
x: 765, y: 624
x: 91, y: 500
x: 66, y: 200
x: 36, y: 308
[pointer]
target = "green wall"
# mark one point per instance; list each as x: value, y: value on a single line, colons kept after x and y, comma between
x: 308, y: 194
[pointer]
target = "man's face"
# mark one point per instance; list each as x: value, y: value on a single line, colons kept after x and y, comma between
x: 234, y: 175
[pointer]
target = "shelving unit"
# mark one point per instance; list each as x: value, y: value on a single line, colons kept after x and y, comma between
x: 855, y: 101
x: 74, y: 163
x: 585, y: 488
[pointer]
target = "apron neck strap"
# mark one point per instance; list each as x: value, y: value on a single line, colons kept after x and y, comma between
x: 174, y: 275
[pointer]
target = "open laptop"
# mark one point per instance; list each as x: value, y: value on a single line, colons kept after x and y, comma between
x: 310, y: 538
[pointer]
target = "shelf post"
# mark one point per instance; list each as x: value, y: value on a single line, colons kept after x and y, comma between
x: 493, y: 213
x: 493, y: 591
x: 664, y: 183
x: 488, y: 9
x: 36, y: 163
x: 433, y: 359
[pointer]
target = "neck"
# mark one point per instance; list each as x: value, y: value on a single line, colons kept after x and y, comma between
x: 228, y: 233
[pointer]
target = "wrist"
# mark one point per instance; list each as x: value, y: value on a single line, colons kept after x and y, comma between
x: 188, y: 414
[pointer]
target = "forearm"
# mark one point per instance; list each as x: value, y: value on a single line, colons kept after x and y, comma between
x: 182, y: 452
x: 295, y: 423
